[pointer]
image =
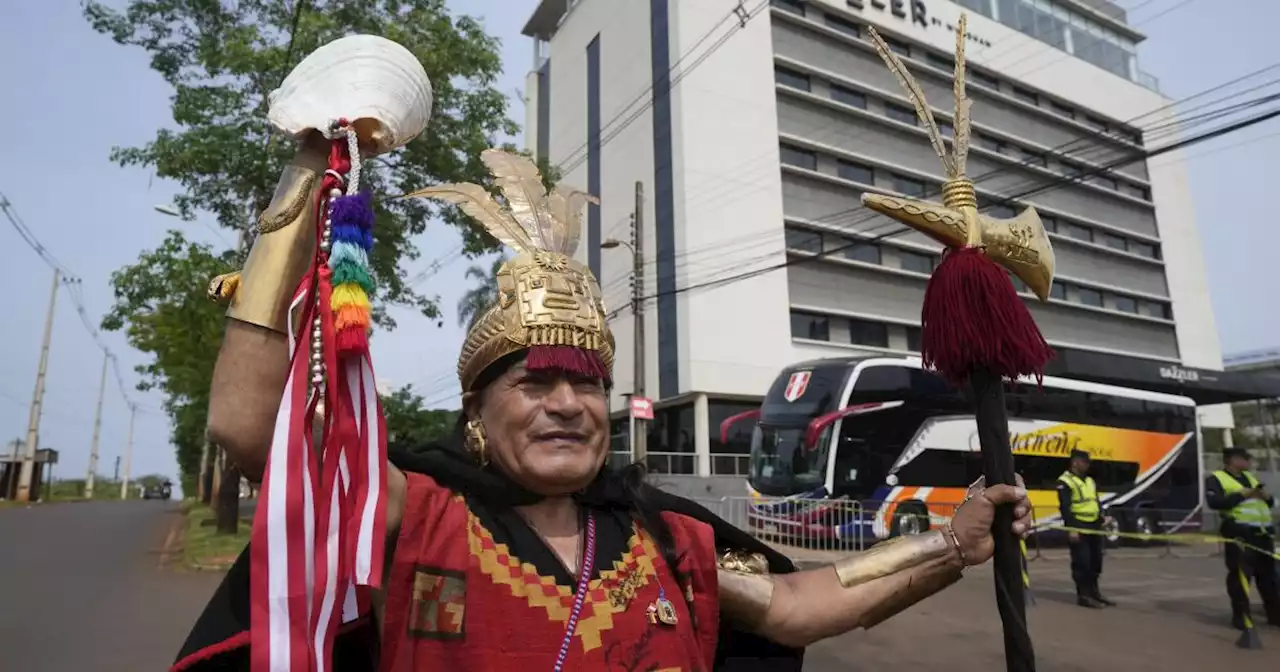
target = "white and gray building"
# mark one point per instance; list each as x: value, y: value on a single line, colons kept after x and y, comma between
x: 755, y: 148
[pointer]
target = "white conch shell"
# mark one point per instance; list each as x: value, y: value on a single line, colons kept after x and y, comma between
x: 375, y: 83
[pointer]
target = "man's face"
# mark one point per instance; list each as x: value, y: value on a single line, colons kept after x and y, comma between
x: 1238, y: 463
x: 1080, y: 465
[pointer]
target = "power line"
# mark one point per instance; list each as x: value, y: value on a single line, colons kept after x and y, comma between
x: 1209, y: 135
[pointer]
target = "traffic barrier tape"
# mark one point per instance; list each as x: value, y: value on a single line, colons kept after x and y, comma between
x: 1200, y: 537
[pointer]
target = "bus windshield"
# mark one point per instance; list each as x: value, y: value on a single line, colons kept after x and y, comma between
x: 780, y: 465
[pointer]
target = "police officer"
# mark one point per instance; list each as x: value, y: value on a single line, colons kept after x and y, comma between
x: 1078, y: 502
x: 1246, y: 516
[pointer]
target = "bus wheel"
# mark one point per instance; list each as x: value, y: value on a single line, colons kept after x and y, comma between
x: 910, y: 518
x: 1147, y: 522
x: 1111, y: 530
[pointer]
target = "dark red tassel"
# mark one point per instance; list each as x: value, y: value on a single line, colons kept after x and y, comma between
x: 973, y: 318
x: 352, y: 340
x: 568, y: 359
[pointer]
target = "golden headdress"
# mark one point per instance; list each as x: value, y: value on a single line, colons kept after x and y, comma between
x: 548, y: 303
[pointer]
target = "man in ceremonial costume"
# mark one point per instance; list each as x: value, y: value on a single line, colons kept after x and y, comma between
x: 515, y: 546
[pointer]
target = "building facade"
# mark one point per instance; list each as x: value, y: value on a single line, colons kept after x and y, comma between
x: 1257, y: 422
x: 755, y: 129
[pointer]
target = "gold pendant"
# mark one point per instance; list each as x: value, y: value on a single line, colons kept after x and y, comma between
x: 662, y: 611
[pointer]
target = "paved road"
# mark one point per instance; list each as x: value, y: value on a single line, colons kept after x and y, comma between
x: 81, y: 588
x: 1172, y: 616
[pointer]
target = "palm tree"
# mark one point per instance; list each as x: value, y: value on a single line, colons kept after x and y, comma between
x: 477, y: 300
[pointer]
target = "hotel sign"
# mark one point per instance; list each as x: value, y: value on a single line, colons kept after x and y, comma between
x: 915, y: 12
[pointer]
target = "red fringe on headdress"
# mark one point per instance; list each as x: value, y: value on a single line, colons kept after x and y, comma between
x: 974, y: 318
x: 568, y: 359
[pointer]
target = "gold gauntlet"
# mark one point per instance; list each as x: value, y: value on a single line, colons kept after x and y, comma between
x: 919, y: 566
x: 261, y: 292
x: 746, y: 589
x: 893, y: 556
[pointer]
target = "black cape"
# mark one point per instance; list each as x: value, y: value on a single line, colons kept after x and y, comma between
x: 219, y: 642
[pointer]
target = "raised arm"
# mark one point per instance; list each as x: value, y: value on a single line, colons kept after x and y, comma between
x: 249, y: 376
x: 867, y: 588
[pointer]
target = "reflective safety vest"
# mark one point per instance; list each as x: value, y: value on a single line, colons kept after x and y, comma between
x: 1084, y: 497
x: 1252, y: 512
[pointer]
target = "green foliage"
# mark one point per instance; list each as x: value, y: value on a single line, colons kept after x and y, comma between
x: 161, y: 307
x: 224, y: 59
x: 410, y: 424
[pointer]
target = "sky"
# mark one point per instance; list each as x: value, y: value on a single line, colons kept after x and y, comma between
x: 71, y: 95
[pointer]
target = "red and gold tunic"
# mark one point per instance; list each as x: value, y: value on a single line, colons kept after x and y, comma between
x: 473, y: 588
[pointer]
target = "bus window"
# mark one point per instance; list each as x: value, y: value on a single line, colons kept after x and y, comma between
x: 1041, y: 472
x: 894, y: 383
x: 941, y: 469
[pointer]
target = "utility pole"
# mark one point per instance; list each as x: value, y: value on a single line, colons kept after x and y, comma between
x: 128, y: 453
x: 37, y: 400
x: 97, y: 430
x: 639, y: 435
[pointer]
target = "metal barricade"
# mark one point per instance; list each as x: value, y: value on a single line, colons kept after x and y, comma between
x: 807, y: 524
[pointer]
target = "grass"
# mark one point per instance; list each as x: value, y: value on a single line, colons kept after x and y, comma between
x: 202, y: 547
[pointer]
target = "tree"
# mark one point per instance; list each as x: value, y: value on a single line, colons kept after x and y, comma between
x: 160, y: 305
x: 410, y: 424
x: 224, y: 59
x: 478, y: 299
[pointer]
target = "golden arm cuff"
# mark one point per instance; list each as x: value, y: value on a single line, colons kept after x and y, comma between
x: 285, y: 245
x: 893, y: 556
x: 746, y: 589
x: 911, y: 586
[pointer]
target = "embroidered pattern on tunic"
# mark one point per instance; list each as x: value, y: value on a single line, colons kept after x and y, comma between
x: 610, y: 594
x: 439, y: 604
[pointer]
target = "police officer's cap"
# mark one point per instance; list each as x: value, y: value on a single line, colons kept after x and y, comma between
x: 1079, y: 455
x: 1229, y: 453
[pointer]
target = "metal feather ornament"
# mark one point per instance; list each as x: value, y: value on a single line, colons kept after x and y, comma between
x: 976, y: 331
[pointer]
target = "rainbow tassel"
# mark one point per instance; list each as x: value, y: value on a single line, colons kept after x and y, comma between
x: 351, y: 233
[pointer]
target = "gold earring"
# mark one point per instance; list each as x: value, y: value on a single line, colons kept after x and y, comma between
x: 476, y: 442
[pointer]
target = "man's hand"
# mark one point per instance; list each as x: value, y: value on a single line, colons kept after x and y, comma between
x: 1073, y: 537
x: 1251, y: 493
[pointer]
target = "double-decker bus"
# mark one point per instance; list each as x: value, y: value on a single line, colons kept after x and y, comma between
x: 903, y: 443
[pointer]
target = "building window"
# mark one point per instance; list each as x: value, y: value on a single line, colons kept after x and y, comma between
x: 1154, y: 309
x: 849, y: 97
x: 918, y: 263
x: 913, y: 339
x: 804, y: 240
x: 1136, y: 191
x: 947, y: 130
x: 844, y: 26
x: 1029, y: 97
x: 1062, y: 110
x: 812, y: 327
x: 1143, y: 249
x: 801, y: 158
x: 1075, y: 231
x: 1018, y: 284
x: 1034, y: 159
x: 1095, y: 123
x: 1058, y: 291
x: 1132, y: 136
x: 1113, y: 241
x: 1050, y: 224
x: 791, y: 78
x: 1001, y: 211
x: 1126, y: 304
x: 1072, y: 169
x: 732, y: 457
x: 862, y: 332
x: 868, y: 252
x: 908, y: 186
x: 984, y: 79
x: 897, y: 47
x: 940, y: 62
x: 1089, y: 297
x: 856, y: 172
x: 1105, y: 182
x: 987, y: 142
x: 905, y: 115
x: 793, y: 6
